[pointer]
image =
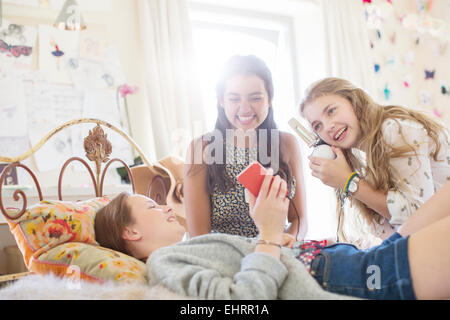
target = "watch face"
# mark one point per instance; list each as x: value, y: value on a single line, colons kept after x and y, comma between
x: 353, y: 185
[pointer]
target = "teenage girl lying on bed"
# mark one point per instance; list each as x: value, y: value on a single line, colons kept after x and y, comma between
x: 412, y: 263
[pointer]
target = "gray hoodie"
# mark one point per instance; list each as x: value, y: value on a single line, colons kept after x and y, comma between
x: 221, y: 266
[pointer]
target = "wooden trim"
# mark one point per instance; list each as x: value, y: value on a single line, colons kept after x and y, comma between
x: 13, y: 277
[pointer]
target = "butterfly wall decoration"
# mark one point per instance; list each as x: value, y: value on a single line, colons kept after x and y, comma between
x: 387, y: 92
x: 445, y: 90
x: 376, y: 67
x: 15, y: 51
x: 429, y: 74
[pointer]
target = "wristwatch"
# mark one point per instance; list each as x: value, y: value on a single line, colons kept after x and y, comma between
x: 353, y: 186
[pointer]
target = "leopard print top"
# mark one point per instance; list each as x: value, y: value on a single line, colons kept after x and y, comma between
x: 230, y: 211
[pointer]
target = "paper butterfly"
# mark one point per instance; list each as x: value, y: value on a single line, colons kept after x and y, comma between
x: 373, y: 17
x: 73, y: 63
x: 377, y: 67
x: 108, y: 79
x: 16, y: 51
x: 379, y: 34
x: 393, y: 37
x: 425, y: 97
x: 429, y: 74
x: 387, y: 92
x: 407, y: 81
x: 437, y: 113
x: 445, y: 90
x: 390, y: 61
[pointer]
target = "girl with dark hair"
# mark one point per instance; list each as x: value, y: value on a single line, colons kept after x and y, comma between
x: 245, y: 130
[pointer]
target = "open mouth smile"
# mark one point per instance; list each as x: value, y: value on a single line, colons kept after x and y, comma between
x: 340, y: 134
x: 245, y: 119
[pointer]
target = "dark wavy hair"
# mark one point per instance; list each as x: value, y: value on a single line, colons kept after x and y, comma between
x: 249, y: 66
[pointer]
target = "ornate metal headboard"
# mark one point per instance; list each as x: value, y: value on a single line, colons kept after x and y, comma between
x: 98, y: 150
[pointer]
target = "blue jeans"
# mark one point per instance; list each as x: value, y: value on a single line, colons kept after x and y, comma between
x: 381, y: 272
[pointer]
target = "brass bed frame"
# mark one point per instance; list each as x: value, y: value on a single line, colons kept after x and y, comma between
x: 153, y: 180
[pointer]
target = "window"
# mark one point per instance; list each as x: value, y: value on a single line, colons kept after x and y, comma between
x: 218, y: 36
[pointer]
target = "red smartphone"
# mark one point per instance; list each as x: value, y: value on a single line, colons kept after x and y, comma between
x: 252, y: 177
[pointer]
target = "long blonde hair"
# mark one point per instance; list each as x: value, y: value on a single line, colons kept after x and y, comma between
x: 376, y: 169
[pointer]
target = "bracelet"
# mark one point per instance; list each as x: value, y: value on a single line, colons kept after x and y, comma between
x: 343, y: 195
x: 268, y: 243
x: 350, y: 178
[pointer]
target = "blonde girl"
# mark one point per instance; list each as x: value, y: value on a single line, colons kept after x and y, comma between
x: 390, y: 159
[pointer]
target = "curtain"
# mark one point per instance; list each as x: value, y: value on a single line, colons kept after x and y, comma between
x: 173, y: 93
x: 347, y: 43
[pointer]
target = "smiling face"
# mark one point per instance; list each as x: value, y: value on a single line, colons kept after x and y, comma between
x: 154, y: 226
x: 245, y: 101
x: 332, y: 117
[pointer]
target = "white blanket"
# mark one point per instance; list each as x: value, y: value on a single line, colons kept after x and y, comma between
x: 49, y: 287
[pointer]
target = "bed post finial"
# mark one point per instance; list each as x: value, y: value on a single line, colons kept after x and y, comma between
x: 97, y: 148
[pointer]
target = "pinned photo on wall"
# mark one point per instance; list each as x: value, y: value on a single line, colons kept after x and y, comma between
x: 11, y: 175
x: 17, y: 42
x: 56, y: 48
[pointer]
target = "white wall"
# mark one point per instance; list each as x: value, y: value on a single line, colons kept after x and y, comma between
x: 119, y: 19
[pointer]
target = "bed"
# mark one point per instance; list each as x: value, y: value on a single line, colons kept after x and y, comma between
x: 56, y: 237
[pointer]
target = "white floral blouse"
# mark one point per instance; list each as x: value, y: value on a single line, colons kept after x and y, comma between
x: 418, y: 176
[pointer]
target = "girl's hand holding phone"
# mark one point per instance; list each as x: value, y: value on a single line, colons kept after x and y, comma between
x: 269, y: 210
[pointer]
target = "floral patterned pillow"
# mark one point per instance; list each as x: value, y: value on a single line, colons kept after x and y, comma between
x: 50, y: 223
x: 93, y: 263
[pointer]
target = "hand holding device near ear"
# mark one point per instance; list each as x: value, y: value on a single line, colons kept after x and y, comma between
x: 321, y: 148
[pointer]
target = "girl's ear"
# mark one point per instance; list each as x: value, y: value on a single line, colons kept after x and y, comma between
x: 131, y: 234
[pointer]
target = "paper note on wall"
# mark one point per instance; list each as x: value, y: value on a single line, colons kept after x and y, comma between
x: 13, y: 116
x: 12, y: 147
x: 90, y: 74
x: 102, y: 105
x: 56, y: 49
x: 49, y: 106
x: 92, y: 44
x: 17, y: 43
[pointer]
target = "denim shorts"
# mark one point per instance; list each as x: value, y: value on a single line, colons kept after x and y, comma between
x: 381, y: 272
